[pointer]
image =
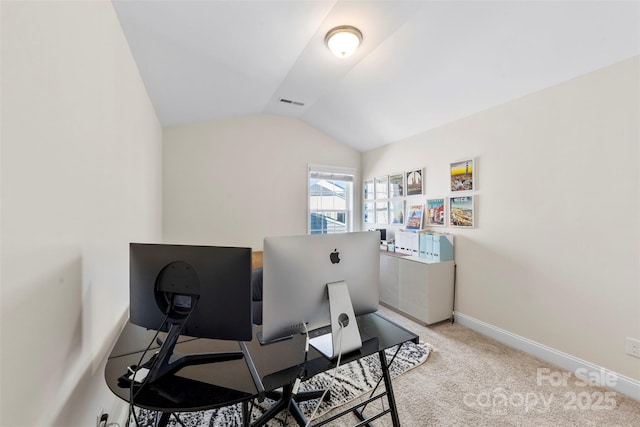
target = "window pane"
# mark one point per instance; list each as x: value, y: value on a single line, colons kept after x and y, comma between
x: 330, y: 202
x: 328, y: 222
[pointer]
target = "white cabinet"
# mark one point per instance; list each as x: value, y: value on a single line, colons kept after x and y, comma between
x: 420, y: 288
x: 389, y: 290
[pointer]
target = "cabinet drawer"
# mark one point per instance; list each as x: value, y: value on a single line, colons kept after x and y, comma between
x: 413, y: 289
x: 422, y: 289
x: 389, y: 280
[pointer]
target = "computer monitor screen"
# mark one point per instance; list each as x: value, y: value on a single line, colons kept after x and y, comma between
x: 297, y: 270
x: 206, y: 290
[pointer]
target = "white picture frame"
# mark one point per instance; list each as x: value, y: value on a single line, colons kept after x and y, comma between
x: 396, y: 212
x: 415, y: 214
x: 414, y: 181
x: 436, y: 212
x: 382, y: 213
x: 368, y: 189
x: 396, y: 185
x: 462, y: 176
x: 369, y: 212
x: 462, y: 211
x: 382, y: 187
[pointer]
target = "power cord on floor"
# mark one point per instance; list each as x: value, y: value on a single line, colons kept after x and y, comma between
x: 103, y: 421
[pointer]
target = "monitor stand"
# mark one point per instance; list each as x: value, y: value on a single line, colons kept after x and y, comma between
x: 343, y: 327
x: 167, y: 361
x: 345, y: 335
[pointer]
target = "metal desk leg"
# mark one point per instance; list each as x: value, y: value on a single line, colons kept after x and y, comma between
x: 162, y: 419
x: 246, y: 422
x: 387, y: 383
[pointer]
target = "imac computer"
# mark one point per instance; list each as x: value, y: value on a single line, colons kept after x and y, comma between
x: 312, y: 281
x: 199, y: 291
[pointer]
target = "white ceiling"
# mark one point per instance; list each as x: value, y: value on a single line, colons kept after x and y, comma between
x: 421, y: 63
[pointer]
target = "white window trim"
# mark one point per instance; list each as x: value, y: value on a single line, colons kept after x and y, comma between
x: 338, y: 170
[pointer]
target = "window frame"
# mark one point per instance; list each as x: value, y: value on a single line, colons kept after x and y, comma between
x: 313, y: 172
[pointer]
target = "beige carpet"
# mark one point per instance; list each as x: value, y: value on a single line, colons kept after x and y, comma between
x: 471, y: 380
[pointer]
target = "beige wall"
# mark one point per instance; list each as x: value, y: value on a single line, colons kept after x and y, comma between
x: 235, y: 181
x: 554, y: 256
x: 81, y: 159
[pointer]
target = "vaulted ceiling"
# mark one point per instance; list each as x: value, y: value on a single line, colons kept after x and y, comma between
x: 421, y: 63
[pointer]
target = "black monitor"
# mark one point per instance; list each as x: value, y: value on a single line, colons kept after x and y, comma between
x: 199, y: 291
x: 298, y: 271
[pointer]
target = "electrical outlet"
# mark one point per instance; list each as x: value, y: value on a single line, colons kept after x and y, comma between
x: 102, y: 418
x: 633, y: 347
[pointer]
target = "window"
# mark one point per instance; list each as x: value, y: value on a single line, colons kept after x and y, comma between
x: 330, y: 199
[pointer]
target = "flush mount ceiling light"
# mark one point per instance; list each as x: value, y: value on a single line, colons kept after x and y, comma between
x: 343, y: 40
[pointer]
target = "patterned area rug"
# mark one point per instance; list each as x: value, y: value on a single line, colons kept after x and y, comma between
x: 352, y: 380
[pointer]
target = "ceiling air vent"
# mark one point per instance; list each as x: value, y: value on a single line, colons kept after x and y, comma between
x: 288, y: 101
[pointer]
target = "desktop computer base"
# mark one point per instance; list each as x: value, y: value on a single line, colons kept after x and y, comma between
x: 345, y: 335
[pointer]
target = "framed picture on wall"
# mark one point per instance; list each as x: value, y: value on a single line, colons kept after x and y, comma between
x: 461, y: 211
x: 435, y: 214
x: 415, y: 182
x: 368, y: 190
x: 414, y: 217
x: 396, y: 212
x: 382, y: 212
x: 368, y: 212
x: 382, y: 187
x: 396, y: 185
x: 462, y: 175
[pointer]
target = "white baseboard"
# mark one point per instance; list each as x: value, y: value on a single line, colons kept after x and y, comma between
x: 122, y: 413
x: 622, y: 384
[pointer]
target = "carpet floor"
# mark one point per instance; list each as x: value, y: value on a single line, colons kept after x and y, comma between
x: 472, y: 380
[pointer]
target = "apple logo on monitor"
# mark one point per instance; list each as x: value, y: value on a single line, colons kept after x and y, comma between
x: 334, y: 256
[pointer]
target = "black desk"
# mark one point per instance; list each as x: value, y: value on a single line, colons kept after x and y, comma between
x: 215, y: 385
